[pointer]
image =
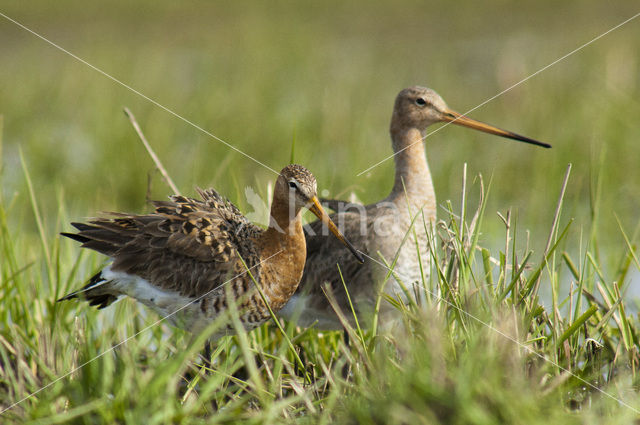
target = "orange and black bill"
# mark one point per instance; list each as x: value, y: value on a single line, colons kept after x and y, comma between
x: 458, y: 119
x: 317, y: 209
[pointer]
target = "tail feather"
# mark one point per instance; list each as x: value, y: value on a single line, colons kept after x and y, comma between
x: 102, y: 301
x: 101, y: 247
x: 75, y: 237
x: 105, y: 248
x: 92, y: 294
x: 82, y: 226
x: 105, y: 235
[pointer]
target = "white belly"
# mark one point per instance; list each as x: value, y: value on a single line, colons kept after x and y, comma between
x: 180, y: 311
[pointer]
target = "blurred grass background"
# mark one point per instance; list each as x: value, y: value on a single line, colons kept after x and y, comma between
x: 260, y: 76
x: 263, y: 75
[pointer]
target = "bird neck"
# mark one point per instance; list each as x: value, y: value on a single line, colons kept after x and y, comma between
x: 283, y: 253
x: 412, y: 176
x: 284, y: 219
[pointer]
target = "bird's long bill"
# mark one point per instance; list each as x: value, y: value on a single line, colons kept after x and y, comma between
x: 458, y: 119
x: 317, y: 209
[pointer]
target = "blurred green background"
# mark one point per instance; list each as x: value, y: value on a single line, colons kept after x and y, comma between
x: 265, y: 76
x: 261, y: 75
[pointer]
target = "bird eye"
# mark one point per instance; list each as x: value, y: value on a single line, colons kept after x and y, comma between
x: 420, y: 101
x: 293, y: 185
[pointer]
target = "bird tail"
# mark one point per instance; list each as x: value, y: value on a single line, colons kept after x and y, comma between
x: 93, y: 292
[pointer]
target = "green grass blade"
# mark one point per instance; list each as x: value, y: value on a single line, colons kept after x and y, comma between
x: 575, y: 326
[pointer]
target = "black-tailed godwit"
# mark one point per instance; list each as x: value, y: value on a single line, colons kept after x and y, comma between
x: 381, y: 228
x: 184, y: 258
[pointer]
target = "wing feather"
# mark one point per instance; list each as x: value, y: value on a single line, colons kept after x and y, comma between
x: 187, y: 245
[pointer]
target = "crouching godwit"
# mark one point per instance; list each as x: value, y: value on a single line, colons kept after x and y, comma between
x: 384, y: 228
x: 183, y: 259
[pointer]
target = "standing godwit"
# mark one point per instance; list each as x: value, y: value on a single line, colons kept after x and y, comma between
x: 183, y: 259
x: 381, y: 227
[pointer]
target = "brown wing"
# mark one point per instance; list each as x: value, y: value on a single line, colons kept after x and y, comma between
x: 187, y: 245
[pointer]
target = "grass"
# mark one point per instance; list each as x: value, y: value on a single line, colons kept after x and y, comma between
x: 481, y: 349
x: 324, y: 76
